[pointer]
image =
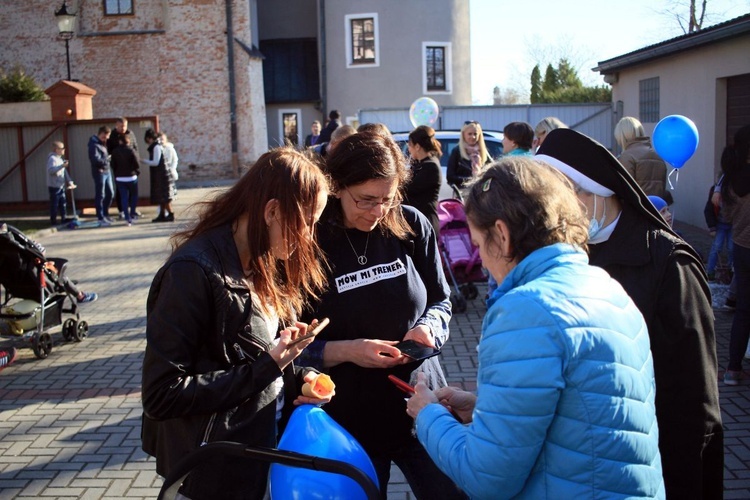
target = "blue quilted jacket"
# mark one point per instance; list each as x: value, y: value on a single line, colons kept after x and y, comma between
x: 565, y: 390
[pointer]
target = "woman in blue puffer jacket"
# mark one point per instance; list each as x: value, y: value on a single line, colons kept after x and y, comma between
x: 565, y: 388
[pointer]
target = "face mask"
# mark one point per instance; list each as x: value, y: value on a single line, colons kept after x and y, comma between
x: 596, y: 225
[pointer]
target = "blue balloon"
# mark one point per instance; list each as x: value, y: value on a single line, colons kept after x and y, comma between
x: 675, y: 139
x: 312, y: 432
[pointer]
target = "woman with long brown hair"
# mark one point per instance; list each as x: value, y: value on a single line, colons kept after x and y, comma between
x: 221, y: 315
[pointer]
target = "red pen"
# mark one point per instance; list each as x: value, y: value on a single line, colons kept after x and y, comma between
x: 401, y: 384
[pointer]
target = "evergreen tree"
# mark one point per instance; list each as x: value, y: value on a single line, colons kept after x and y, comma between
x: 566, y: 75
x: 551, y: 82
x: 17, y: 86
x: 536, y: 84
x: 563, y: 85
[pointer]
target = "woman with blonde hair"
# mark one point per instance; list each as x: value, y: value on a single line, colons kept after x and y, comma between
x: 544, y: 127
x: 640, y: 159
x: 220, y: 321
x: 469, y: 156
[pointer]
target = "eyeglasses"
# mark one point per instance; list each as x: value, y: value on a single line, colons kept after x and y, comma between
x: 369, y: 205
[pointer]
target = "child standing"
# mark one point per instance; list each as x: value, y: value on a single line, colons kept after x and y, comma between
x: 720, y: 230
x: 56, y: 178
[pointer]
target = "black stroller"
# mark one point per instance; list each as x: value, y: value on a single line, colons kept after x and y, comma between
x: 30, y: 280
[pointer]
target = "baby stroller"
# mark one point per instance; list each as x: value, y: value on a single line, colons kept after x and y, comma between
x: 30, y: 280
x: 461, y: 260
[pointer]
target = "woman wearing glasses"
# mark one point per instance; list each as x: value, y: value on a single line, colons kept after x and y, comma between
x: 469, y: 156
x: 386, y: 285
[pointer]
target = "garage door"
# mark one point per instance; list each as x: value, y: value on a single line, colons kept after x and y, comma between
x: 738, y: 104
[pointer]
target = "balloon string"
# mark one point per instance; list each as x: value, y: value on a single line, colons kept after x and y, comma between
x: 676, y: 172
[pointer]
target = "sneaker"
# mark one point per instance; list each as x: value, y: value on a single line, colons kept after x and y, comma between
x: 7, y: 358
x: 104, y: 223
x: 122, y: 216
x: 135, y: 216
x: 108, y: 219
x: 138, y: 214
x: 88, y: 297
x: 732, y: 377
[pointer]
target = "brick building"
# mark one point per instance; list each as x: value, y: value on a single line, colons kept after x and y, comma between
x: 156, y: 57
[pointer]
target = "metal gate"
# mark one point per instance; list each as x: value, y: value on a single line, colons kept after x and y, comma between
x: 24, y: 148
x: 595, y: 120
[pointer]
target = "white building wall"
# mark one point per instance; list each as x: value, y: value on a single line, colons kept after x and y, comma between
x: 692, y: 84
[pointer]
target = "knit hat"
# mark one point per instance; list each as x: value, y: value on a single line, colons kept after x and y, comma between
x: 658, y: 202
x: 594, y: 162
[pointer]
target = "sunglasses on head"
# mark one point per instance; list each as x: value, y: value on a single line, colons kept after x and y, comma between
x: 471, y: 122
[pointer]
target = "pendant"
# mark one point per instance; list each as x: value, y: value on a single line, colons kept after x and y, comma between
x: 362, y: 260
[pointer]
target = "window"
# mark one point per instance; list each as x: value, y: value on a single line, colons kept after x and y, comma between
x: 362, y: 40
x: 436, y: 64
x: 649, y: 100
x: 290, y: 70
x: 118, y: 7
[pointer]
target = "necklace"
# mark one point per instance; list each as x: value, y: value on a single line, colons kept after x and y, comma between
x: 362, y: 259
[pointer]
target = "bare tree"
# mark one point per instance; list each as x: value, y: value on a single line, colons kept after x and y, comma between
x: 507, y: 96
x: 693, y: 15
x: 689, y: 21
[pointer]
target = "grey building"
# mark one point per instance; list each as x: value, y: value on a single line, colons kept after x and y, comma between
x: 355, y: 54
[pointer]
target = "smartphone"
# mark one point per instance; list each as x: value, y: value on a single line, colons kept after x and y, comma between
x: 315, y: 330
x: 416, y: 350
x: 401, y: 384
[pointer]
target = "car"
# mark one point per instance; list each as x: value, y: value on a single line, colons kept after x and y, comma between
x: 448, y: 142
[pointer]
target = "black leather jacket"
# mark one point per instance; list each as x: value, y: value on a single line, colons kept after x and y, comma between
x: 207, y: 374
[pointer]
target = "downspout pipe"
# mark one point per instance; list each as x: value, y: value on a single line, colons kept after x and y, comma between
x: 323, y: 62
x: 232, y: 89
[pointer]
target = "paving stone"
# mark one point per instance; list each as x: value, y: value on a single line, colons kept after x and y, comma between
x: 70, y: 424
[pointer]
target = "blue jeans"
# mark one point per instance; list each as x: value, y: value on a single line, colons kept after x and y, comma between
x: 128, y: 191
x: 741, y: 323
x: 103, y: 193
x: 423, y: 476
x: 57, y: 204
x: 723, y: 237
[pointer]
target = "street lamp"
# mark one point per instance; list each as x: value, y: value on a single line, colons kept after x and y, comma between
x: 66, y: 25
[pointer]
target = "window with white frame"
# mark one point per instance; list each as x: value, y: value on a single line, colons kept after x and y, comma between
x: 648, y: 100
x: 118, y: 7
x: 362, y: 48
x: 436, y: 64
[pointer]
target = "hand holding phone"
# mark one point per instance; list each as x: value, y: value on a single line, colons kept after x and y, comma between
x: 316, y: 329
x: 416, y: 351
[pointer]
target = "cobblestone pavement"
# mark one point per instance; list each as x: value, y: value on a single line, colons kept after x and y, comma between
x: 70, y: 424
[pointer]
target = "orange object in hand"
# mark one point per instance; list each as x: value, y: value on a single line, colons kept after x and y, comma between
x: 321, y: 387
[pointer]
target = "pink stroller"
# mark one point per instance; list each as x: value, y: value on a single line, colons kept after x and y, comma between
x: 461, y: 260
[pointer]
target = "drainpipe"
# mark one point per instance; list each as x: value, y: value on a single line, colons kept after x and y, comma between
x: 323, y: 68
x: 232, y: 92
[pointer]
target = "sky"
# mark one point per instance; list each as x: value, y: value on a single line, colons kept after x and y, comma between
x: 507, y: 41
